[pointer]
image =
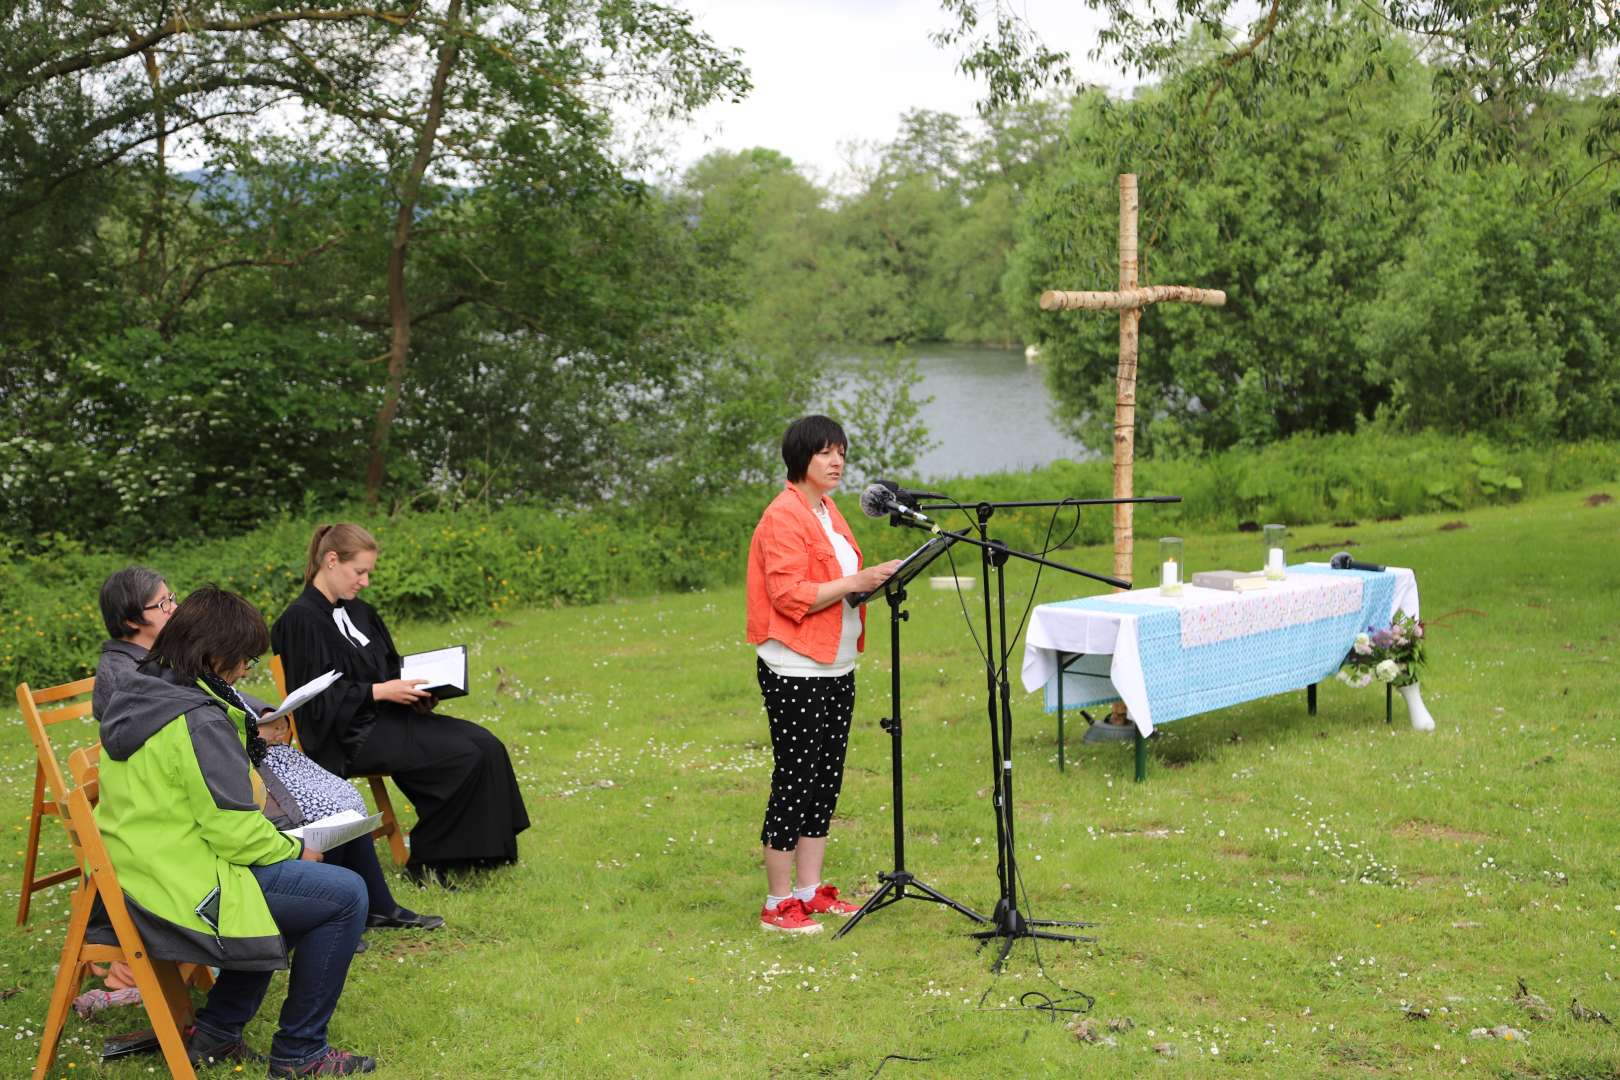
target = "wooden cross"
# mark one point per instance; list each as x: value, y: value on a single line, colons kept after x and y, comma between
x: 1129, y: 300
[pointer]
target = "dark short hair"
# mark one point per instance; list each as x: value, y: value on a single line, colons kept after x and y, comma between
x: 805, y: 438
x: 210, y: 630
x: 124, y: 596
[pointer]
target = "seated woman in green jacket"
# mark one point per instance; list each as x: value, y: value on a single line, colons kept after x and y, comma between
x: 207, y: 877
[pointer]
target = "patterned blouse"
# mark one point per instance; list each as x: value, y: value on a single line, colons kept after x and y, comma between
x: 318, y: 793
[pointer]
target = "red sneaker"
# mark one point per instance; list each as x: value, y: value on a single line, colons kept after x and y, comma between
x: 789, y: 916
x: 826, y: 902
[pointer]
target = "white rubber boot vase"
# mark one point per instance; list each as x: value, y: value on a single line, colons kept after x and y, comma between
x: 1421, y: 720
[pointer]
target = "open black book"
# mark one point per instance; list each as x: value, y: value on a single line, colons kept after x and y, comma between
x: 444, y: 669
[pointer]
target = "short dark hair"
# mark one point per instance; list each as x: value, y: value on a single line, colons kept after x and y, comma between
x: 805, y: 438
x: 211, y: 630
x: 124, y: 596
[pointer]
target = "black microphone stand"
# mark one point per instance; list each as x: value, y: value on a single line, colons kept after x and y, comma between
x: 1010, y: 924
x: 897, y: 881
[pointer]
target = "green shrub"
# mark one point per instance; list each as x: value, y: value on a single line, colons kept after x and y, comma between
x: 439, y: 564
x: 1304, y: 480
x: 433, y: 565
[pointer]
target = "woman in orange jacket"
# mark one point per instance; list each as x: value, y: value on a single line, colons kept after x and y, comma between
x: 802, y: 563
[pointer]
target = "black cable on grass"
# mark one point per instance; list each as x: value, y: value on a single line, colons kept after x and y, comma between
x: 896, y: 1057
x: 1040, y: 1000
x: 1040, y: 964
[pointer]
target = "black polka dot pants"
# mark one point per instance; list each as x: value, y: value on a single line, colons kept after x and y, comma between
x: 809, y: 734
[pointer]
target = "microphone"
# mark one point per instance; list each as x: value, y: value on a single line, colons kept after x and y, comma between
x: 1343, y: 561
x: 879, y: 501
x: 908, y: 497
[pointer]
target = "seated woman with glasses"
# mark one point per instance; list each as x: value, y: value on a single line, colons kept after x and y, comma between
x: 135, y: 603
x: 209, y: 879
x: 458, y: 776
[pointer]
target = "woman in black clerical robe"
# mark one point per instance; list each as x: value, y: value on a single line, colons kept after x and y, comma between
x: 457, y: 775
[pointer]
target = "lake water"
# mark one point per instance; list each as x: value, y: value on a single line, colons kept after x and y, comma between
x: 991, y: 413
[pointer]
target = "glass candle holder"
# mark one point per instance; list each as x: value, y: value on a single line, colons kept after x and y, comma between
x: 1276, y: 559
x: 1171, y: 568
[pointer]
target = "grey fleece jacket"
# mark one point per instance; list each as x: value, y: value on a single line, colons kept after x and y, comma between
x: 118, y: 660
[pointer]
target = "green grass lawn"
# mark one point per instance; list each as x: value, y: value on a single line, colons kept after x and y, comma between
x: 1279, y: 898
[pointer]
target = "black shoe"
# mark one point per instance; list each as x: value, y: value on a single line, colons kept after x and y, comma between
x: 403, y: 919
x: 362, y: 945
x: 204, y: 1050
x: 334, y: 1062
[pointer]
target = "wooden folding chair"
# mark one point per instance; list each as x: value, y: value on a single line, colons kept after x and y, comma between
x: 379, y: 790
x: 84, y: 765
x: 47, y: 773
x: 162, y: 985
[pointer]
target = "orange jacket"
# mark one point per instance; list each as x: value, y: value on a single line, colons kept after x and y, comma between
x: 789, y: 556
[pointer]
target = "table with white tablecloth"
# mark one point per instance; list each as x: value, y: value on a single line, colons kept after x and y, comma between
x: 1169, y: 657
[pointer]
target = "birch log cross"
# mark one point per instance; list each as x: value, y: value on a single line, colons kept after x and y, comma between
x: 1128, y: 300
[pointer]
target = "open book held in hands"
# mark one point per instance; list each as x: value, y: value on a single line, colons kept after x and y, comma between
x: 445, y: 671
x: 336, y: 829
x: 303, y: 694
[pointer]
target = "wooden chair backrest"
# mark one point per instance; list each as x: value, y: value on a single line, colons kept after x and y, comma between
x: 88, y: 844
x: 279, y: 674
x: 85, y: 765
x: 39, y: 720
x: 40, y: 710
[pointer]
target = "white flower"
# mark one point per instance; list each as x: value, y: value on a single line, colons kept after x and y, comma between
x: 1387, y: 671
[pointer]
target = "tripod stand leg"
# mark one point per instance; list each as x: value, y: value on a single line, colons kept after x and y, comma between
x: 879, y: 899
x: 896, y: 884
x: 930, y: 893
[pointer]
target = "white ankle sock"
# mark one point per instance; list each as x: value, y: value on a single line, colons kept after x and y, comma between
x: 772, y: 901
x: 806, y: 893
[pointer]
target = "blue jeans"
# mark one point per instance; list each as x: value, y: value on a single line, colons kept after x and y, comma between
x: 321, y: 912
x: 360, y: 855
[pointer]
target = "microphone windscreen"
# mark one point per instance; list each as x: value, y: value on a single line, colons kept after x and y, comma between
x: 1341, y: 561
x: 876, y: 500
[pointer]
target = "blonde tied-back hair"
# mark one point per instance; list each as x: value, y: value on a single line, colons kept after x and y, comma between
x: 345, y: 539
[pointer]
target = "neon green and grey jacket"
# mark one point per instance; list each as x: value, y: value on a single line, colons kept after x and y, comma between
x: 182, y: 825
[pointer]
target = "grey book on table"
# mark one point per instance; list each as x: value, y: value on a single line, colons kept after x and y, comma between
x: 1229, y: 579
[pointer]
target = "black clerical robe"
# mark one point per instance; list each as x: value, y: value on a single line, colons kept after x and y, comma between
x: 457, y: 775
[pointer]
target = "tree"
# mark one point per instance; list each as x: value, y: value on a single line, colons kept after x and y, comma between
x: 1498, y: 321
x: 429, y: 102
x: 1293, y: 226
x: 1492, y: 65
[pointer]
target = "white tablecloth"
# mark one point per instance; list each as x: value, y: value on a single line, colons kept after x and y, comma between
x: 1208, y: 658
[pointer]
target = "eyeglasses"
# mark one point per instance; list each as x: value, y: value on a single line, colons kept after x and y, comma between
x: 165, y: 604
x: 252, y: 662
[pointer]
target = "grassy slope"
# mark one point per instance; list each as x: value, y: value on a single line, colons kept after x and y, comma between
x: 1271, y: 901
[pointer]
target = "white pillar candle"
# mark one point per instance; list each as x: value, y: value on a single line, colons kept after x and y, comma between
x: 1171, y: 574
x: 1274, y: 561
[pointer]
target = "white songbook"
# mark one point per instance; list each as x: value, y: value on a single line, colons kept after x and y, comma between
x: 445, y: 671
x: 307, y: 692
x: 335, y: 830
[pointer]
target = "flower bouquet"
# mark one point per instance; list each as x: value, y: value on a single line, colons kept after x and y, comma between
x: 1393, y: 655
